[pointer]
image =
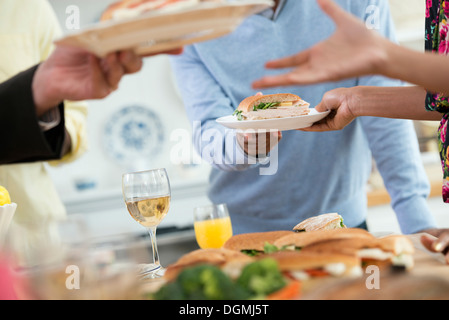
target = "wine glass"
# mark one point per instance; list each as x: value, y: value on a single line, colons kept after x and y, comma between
x: 147, y: 197
x: 212, y: 226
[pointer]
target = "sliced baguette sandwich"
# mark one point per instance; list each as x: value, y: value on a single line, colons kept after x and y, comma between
x: 229, y: 260
x: 262, y: 107
x: 306, y: 265
x: 302, y: 239
x: 395, y: 250
x: 326, y: 221
x: 254, y: 243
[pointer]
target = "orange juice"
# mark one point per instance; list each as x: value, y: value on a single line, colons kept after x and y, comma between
x: 213, y: 233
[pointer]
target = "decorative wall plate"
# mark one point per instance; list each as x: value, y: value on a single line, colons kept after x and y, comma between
x: 134, y: 136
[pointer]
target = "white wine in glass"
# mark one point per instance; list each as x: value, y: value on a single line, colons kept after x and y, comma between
x: 147, y: 197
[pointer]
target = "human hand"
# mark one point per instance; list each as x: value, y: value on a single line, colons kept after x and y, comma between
x: 75, y: 74
x: 353, y: 50
x: 439, y: 245
x: 339, y: 102
x: 258, y: 144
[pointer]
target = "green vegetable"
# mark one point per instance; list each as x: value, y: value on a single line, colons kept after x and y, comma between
x: 265, y: 106
x: 270, y: 248
x: 239, y: 115
x: 262, y: 277
x: 267, y: 249
x: 206, y: 282
x: 251, y: 253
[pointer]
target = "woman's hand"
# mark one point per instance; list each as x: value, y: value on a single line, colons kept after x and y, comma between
x: 339, y: 102
x: 353, y: 50
x: 439, y: 245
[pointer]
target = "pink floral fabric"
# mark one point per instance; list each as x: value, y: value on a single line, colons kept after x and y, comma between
x: 437, y: 40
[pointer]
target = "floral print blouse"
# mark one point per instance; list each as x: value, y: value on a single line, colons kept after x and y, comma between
x: 437, y: 40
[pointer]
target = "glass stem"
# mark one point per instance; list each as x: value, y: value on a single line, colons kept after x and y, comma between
x: 152, y: 232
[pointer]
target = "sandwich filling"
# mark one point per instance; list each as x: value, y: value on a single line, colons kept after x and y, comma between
x: 403, y: 259
x: 273, y: 110
x: 269, y: 248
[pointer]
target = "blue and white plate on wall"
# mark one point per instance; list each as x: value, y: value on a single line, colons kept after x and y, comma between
x: 134, y: 137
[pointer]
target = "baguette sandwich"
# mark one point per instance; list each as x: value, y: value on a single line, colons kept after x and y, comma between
x: 395, y: 250
x: 229, y: 260
x: 253, y: 244
x: 297, y: 241
x: 308, y: 265
x: 260, y: 243
x: 262, y: 107
x: 326, y: 221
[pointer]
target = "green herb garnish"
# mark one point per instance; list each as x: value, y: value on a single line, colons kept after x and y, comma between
x: 265, y: 106
x: 238, y: 114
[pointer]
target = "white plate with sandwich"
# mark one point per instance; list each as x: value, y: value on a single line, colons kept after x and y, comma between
x: 281, y: 112
x: 151, y: 26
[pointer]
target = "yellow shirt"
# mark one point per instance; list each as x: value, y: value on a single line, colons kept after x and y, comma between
x: 27, y: 31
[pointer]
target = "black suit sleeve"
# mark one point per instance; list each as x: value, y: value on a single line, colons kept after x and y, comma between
x: 21, y: 138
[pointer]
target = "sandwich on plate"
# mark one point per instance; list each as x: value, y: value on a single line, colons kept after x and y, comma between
x: 133, y: 8
x: 326, y: 221
x: 273, y: 106
x: 394, y: 250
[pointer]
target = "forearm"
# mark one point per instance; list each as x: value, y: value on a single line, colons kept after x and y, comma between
x: 428, y: 70
x: 391, y: 102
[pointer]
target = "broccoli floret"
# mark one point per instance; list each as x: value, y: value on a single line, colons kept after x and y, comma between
x: 204, y: 282
x: 170, y: 291
x: 262, y: 277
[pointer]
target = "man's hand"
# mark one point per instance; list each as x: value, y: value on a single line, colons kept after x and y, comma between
x: 75, y: 74
x: 439, y: 245
x: 258, y: 144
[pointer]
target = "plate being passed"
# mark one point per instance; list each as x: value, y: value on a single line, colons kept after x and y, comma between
x: 158, y: 31
x: 281, y: 124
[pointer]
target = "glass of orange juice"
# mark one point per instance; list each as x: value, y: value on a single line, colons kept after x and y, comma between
x: 212, y: 225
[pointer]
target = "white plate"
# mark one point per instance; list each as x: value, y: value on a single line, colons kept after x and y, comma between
x: 156, y: 31
x: 282, y: 124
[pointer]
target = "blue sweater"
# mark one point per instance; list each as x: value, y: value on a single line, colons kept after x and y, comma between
x: 315, y: 173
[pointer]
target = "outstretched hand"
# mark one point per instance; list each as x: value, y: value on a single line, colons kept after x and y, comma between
x: 353, y: 50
